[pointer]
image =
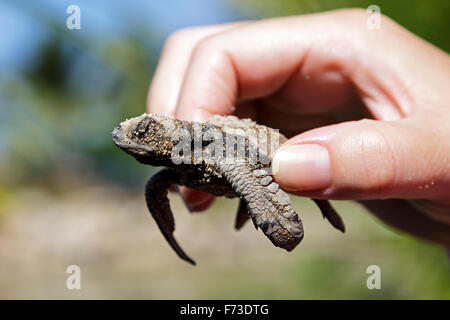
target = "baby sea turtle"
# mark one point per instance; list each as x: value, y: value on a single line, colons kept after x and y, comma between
x: 224, y: 156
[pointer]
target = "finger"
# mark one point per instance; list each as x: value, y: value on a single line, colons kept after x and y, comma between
x: 295, y: 61
x: 166, y: 82
x: 368, y: 159
x: 404, y: 216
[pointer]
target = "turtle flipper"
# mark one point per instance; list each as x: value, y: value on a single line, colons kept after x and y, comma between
x: 268, y: 206
x: 242, y: 215
x: 330, y: 214
x: 158, y: 205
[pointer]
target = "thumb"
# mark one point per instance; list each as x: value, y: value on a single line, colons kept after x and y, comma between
x: 367, y: 159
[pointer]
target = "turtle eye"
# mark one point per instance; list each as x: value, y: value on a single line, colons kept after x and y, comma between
x: 142, y: 128
x: 145, y: 128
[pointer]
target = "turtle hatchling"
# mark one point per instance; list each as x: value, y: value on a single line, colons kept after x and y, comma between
x: 224, y: 156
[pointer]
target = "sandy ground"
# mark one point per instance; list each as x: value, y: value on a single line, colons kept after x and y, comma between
x: 109, y: 234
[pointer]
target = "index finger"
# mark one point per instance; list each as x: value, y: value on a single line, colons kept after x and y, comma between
x: 173, y: 62
x: 272, y: 57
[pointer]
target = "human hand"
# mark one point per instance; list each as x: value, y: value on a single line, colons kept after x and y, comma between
x: 317, y: 75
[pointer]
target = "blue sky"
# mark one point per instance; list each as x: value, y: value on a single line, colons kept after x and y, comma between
x: 20, y: 32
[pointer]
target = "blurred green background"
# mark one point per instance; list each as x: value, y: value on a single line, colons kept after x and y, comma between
x: 69, y: 196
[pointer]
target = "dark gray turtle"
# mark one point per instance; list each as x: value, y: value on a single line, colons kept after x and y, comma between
x: 224, y: 156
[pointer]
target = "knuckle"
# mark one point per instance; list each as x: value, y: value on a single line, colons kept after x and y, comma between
x: 181, y: 36
x: 204, y: 45
x: 352, y: 12
x: 359, y: 17
x: 349, y: 15
x: 379, y: 159
x: 176, y: 37
x: 187, y: 35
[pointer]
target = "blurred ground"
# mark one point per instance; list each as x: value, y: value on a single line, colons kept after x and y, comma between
x: 122, y: 255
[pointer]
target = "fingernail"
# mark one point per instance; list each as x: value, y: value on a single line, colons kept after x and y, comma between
x: 302, y: 167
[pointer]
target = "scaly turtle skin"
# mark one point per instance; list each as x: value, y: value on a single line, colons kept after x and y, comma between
x: 198, y: 155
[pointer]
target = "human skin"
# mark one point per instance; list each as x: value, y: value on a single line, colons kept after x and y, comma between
x: 367, y: 110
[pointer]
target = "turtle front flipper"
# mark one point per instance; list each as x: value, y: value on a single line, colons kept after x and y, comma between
x: 158, y: 205
x: 268, y: 206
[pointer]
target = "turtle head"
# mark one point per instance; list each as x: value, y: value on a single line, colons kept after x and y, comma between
x: 147, y: 137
